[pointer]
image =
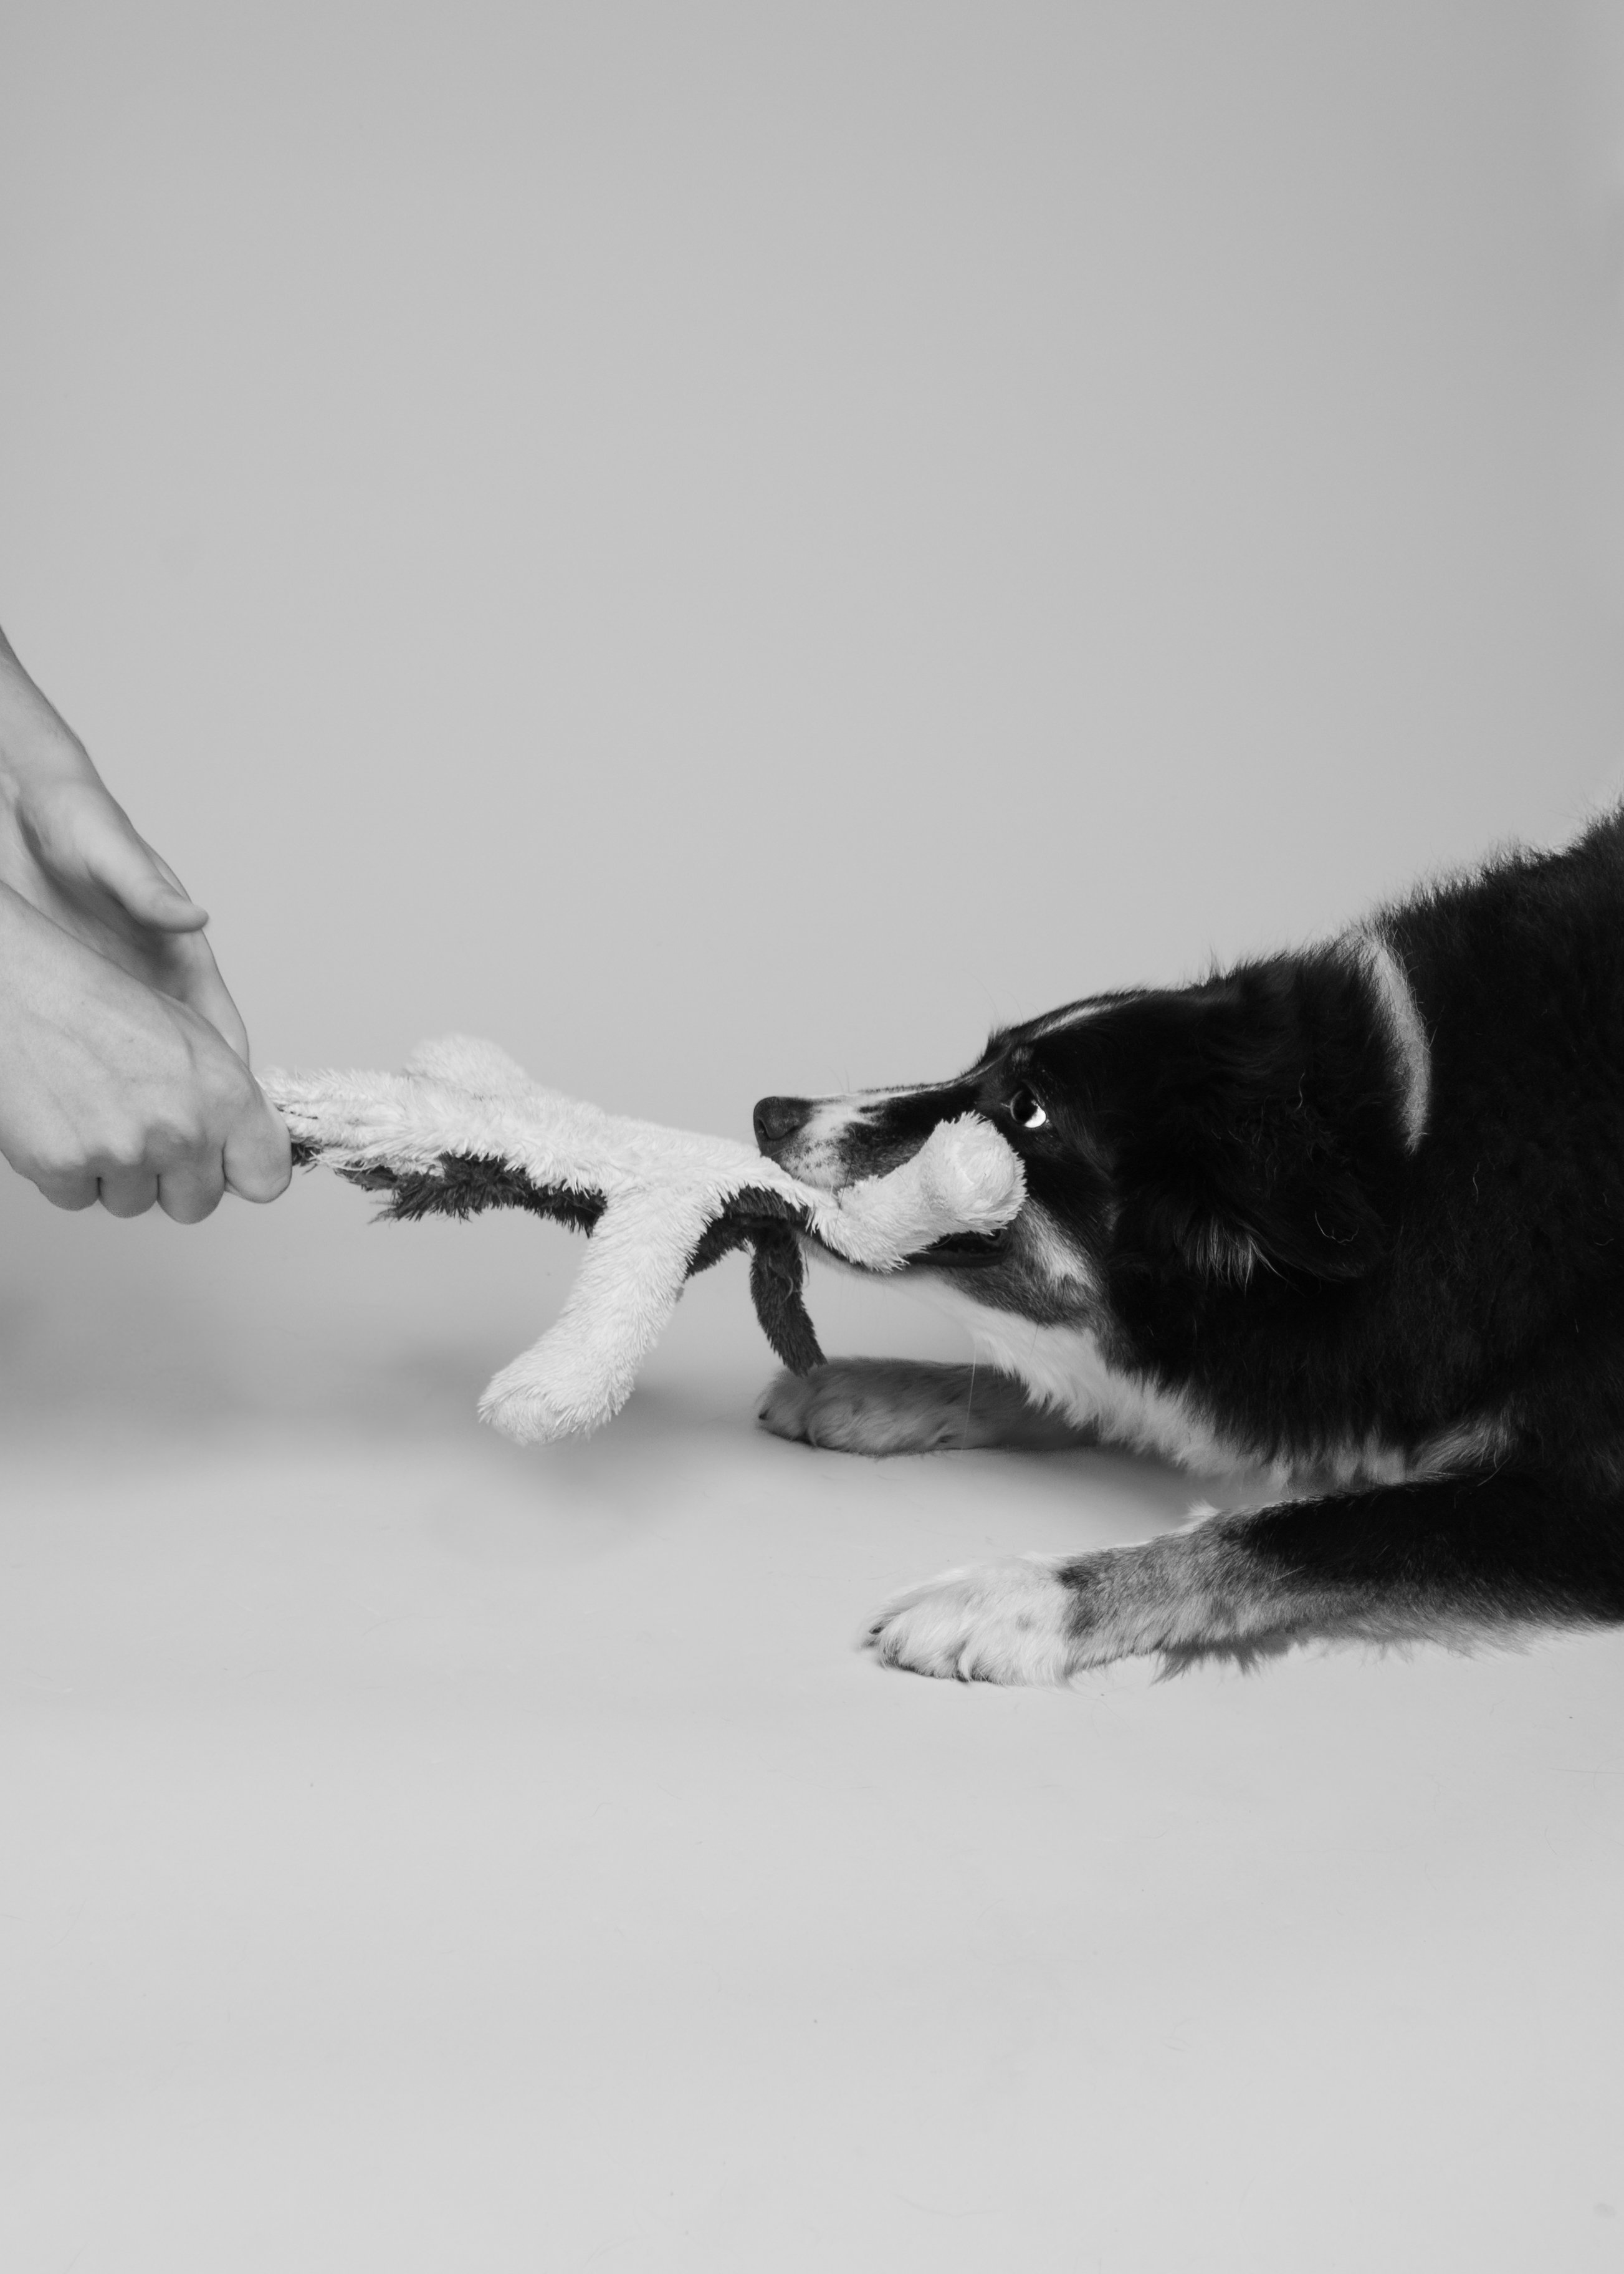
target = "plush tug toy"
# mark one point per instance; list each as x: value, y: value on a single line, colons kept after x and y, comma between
x: 463, y: 1128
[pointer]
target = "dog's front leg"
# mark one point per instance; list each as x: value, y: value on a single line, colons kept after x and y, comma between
x: 881, y: 1406
x: 1454, y: 1558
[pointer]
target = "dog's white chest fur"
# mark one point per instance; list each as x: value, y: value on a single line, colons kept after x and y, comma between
x: 1064, y: 1371
x: 1064, y: 1368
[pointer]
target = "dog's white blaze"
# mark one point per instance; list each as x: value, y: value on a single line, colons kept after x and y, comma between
x: 1405, y: 1030
x: 1073, y: 1015
x: 816, y: 1153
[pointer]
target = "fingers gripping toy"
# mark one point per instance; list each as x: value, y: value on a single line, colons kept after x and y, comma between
x: 463, y: 1129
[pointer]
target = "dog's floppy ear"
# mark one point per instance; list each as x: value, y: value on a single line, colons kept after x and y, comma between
x: 1261, y: 1134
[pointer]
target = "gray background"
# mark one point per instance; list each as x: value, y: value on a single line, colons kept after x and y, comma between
x: 733, y: 548
x: 730, y: 549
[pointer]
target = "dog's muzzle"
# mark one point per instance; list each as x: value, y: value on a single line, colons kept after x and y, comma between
x: 777, y: 1120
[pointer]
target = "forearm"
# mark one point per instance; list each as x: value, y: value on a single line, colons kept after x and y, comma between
x: 71, y: 851
x: 37, y: 745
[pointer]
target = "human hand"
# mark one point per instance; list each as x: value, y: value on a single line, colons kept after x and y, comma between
x: 124, y: 1072
x: 69, y: 850
x: 110, y: 1091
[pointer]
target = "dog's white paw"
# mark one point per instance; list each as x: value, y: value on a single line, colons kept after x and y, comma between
x: 1013, y: 1622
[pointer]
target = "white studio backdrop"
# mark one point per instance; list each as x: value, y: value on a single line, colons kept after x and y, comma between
x: 733, y: 548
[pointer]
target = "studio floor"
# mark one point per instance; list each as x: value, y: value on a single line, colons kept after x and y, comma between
x: 423, y: 1855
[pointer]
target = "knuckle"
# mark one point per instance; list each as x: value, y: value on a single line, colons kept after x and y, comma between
x: 118, y: 1155
x: 61, y: 1171
x: 181, y: 1138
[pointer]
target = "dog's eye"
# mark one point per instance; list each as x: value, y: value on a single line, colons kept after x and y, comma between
x: 1025, y: 1110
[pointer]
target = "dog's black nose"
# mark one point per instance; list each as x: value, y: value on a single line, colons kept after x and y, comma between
x: 779, y: 1118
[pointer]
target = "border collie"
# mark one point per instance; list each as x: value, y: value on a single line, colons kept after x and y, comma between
x: 1354, y: 1216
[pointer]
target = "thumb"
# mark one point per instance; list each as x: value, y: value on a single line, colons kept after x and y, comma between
x: 115, y: 858
x: 258, y: 1153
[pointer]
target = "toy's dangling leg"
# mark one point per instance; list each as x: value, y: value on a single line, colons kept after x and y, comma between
x: 582, y: 1370
x: 778, y: 1275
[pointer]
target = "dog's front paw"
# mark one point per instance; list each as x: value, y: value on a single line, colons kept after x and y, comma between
x: 1184, y: 1595
x: 911, y: 1405
x: 1014, y: 1622
x: 870, y: 1405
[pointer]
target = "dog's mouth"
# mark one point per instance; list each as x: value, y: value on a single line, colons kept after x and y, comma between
x: 839, y: 1143
x: 956, y: 1251
x: 968, y: 1251
x: 965, y: 1250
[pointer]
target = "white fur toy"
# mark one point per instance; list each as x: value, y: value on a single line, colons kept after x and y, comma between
x: 463, y: 1128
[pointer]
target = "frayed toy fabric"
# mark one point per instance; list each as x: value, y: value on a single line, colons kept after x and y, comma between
x: 463, y: 1128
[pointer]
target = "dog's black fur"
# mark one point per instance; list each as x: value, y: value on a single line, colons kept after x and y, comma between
x: 1357, y: 1214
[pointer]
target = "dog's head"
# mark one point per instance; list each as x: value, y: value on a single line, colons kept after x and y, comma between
x: 1251, y: 1124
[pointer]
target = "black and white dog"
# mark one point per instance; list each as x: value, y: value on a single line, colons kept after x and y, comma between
x: 1355, y: 1215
